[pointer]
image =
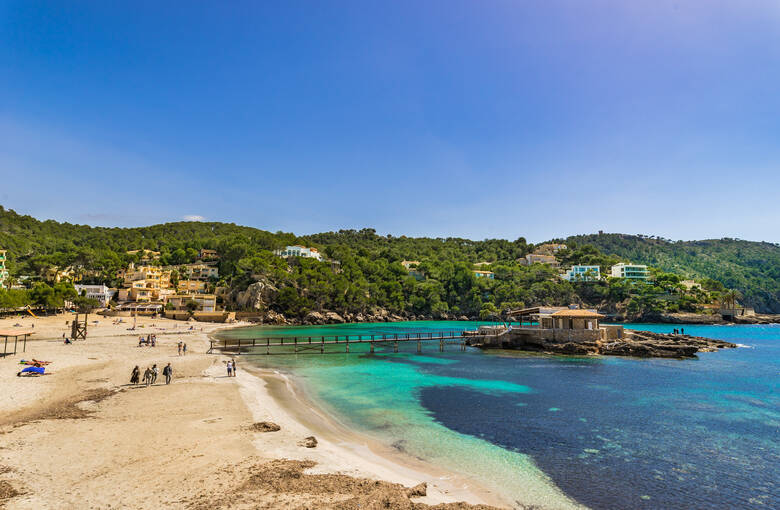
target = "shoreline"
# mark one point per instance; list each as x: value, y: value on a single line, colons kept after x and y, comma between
x: 188, y: 445
x: 339, y: 445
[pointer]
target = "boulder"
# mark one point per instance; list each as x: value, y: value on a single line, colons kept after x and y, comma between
x: 334, y: 318
x: 272, y: 317
x: 314, y: 318
x: 463, y: 318
x: 265, y: 426
x: 257, y: 296
x: 309, y: 442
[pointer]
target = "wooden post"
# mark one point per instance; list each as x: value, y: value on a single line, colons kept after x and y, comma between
x: 347, y: 343
x: 372, y: 347
x: 238, y: 349
x: 395, y: 346
x: 309, y: 339
x: 441, y: 345
x: 5, y: 345
x: 24, y: 349
x: 16, y: 339
x: 322, y: 346
x: 419, y: 346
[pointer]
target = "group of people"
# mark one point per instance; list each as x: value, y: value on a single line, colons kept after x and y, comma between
x: 680, y: 331
x: 231, y: 368
x: 150, y: 340
x: 182, y: 349
x: 150, y: 375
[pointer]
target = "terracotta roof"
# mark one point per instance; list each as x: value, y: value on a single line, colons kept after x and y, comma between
x: 578, y: 314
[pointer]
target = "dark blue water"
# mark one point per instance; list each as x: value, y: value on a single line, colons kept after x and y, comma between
x: 608, y: 432
x: 620, y: 433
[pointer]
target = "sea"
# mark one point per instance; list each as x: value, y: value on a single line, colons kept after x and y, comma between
x: 561, y: 431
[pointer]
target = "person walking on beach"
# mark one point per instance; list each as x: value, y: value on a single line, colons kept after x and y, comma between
x: 234, y: 367
x: 184, y: 349
x: 148, y: 376
x: 230, y: 368
x: 168, y: 373
x: 179, y: 348
x: 135, y: 375
x: 155, y: 373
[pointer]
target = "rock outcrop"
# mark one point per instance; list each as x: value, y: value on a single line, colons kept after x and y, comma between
x: 257, y: 296
x: 641, y: 344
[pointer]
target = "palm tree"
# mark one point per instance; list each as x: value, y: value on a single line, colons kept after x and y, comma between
x: 730, y: 297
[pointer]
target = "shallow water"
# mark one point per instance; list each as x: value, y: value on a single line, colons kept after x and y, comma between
x: 609, y: 432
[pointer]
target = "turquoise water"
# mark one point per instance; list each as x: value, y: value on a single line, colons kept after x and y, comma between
x: 606, y: 432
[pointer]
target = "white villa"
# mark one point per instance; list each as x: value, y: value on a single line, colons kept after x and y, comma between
x: 100, y: 292
x: 580, y: 273
x: 299, y: 251
x: 630, y: 271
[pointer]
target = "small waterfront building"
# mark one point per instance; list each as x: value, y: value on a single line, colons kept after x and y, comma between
x: 299, y: 251
x: 576, y: 319
x: 637, y: 272
x: 3, y: 270
x: 581, y: 273
x: 206, y: 302
x: 538, y: 258
x: 484, y: 274
x: 101, y: 293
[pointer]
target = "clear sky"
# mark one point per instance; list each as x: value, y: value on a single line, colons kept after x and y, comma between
x: 442, y: 118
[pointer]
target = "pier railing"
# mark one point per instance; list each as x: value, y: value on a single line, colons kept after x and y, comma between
x: 314, y: 344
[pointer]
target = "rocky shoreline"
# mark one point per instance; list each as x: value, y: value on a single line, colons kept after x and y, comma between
x: 381, y: 315
x: 641, y: 344
x: 256, y: 299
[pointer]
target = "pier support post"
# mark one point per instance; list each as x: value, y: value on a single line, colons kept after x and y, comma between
x: 372, y: 347
x: 395, y: 346
x: 441, y: 345
x: 347, y: 344
x: 419, y: 346
x: 322, y: 346
x: 295, y: 349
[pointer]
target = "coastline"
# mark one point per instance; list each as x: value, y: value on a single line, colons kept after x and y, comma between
x: 187, y: 445
x: 341, y: 449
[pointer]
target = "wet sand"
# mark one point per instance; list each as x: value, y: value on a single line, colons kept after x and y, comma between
x: 82, y: 437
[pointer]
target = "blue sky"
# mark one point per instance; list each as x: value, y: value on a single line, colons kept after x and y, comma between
x: 440, y: 118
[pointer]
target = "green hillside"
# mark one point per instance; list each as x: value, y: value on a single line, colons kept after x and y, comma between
x: 364, y: 271
x: 752, y: 268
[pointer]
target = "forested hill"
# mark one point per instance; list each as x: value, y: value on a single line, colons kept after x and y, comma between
x: 753, y: 268
x: 363, y: 270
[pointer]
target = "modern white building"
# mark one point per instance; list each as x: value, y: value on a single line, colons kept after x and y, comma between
x: 299, y: 251
x: 580, y: 273
x: 100, y: 292
x: 630, y: 271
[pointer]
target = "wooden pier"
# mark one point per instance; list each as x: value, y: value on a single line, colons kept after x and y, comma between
x: 317, y: 344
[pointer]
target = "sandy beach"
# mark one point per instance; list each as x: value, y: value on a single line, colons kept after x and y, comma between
x: 83, y: 437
